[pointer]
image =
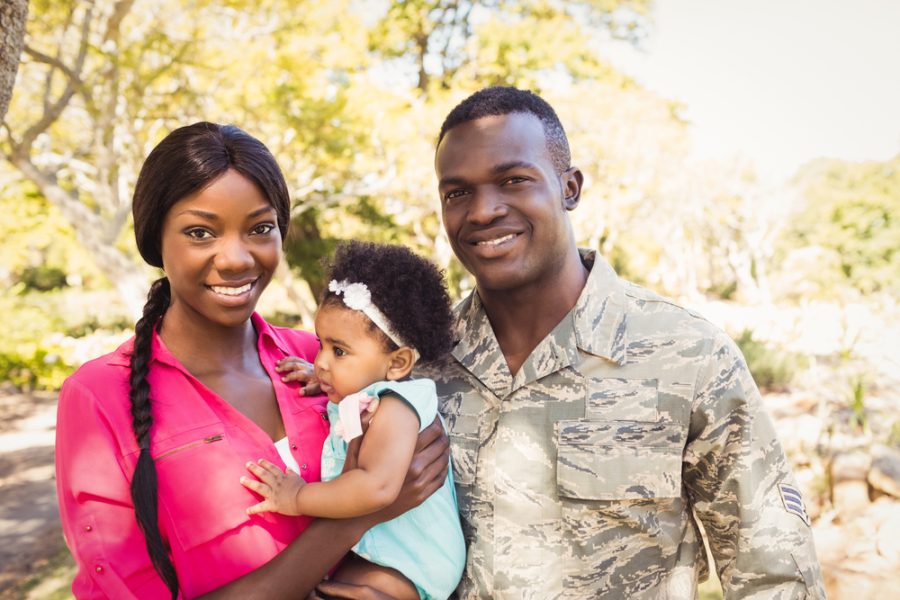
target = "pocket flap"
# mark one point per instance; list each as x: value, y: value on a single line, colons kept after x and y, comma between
x: 614, y: 460
x: 201, y: 508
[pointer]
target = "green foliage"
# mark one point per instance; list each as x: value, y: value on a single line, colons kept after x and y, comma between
x: 43, y: 278
x: 858, y: 417
x: 850, y: 212
x: 45, y: 336
x: 773, y: 369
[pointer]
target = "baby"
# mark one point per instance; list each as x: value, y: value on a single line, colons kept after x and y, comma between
x: 385, y: 309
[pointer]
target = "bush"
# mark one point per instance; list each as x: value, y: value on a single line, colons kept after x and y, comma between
x: 45, y: 336
x: 43, y: 279
x: 772, y: 369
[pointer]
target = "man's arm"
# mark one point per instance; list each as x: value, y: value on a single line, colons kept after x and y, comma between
x: 742, y: 489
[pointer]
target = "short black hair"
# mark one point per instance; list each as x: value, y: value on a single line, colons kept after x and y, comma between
x: 502, y: 100
x: 407, y: 288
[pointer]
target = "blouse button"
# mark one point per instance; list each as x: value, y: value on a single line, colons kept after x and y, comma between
x: 293, y: 446
x: 88, y: 528
x: 303, y: 467
x: 98, y: 568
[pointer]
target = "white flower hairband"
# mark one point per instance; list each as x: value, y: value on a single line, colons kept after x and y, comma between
x: 357, y: 297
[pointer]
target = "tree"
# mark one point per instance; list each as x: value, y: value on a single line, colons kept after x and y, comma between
x: 13, y: 14
x: 849, y: 211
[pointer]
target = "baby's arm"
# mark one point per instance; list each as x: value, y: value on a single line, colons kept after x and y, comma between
x: 384, y: 458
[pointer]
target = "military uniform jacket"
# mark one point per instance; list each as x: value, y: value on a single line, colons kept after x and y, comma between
x: 589, y: 472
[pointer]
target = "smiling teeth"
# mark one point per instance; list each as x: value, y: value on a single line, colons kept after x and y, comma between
x: 497, y: 241
x: 231, y: 291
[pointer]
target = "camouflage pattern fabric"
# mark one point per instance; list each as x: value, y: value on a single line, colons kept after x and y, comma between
x: 588, y: 473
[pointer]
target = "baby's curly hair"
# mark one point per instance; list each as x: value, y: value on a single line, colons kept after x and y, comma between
x: 407, y: 288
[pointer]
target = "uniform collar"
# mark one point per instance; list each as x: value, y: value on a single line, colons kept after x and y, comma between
x: 596, y: 325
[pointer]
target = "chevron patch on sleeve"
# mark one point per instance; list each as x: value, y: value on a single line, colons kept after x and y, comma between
x: 793, y: 501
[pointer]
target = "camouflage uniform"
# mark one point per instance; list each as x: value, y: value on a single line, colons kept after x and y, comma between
x: 581, y: 476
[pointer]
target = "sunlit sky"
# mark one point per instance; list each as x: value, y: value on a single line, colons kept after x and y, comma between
x: 778, y: 82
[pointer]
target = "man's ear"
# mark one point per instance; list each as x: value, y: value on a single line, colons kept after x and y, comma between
x: 401, y: 363
x: 572, y: 179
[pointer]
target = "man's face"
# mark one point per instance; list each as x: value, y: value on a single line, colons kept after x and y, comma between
x: 503, y: 204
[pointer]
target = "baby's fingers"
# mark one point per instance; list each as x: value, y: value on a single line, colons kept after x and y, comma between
x: 301, y: 374
x: 263, y: 472
x: 264, y: 506
x: 257, y: 486
x: 292, y: 363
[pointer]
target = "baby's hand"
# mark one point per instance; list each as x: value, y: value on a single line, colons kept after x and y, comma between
x: 299, y: 370
x: 279, y: 488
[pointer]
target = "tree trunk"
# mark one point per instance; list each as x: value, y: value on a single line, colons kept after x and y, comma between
x: 122, y: 272
x: 13, y: 14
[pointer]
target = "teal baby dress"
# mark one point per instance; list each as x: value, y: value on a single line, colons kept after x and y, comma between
x: 426, y: 543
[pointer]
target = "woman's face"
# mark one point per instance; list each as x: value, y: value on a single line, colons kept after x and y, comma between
x: 220, y: 248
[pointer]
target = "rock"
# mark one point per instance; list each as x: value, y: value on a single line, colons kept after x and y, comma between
x: 849, y: 489
x: 884, y: 475
x: 860, y: 558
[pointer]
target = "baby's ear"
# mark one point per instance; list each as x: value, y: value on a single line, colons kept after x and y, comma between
x: 402, y: 361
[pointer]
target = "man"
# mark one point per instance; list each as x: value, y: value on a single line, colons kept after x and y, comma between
x: 594, y: 425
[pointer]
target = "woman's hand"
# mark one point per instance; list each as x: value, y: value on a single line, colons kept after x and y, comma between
x: 300, y: 370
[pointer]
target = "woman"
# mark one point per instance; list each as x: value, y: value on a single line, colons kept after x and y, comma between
x: 153, y: 438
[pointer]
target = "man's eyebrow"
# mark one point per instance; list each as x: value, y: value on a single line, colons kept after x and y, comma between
x: 496, y: 169
x: 455, y: 180
x: 514, y: 164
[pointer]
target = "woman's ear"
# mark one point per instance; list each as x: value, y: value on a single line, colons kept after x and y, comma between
x: 401, y: 363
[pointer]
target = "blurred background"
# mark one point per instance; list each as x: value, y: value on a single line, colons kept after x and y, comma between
x: 741, y: 157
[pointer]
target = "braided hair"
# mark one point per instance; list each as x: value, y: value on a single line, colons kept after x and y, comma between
x: 185, y: 162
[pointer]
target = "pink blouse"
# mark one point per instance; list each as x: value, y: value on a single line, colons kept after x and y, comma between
x: 201, y: 444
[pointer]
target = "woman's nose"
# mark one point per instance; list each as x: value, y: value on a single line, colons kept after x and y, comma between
x: 233, y: 255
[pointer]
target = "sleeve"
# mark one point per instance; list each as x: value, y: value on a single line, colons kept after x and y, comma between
x: 95, y: 503
x: 419, y: 394
x: 742, y: 489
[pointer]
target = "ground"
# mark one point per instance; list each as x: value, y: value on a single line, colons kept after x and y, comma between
x: 33, y: 555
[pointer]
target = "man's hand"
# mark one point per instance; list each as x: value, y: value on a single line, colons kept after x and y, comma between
x: 333, y: 589
x: 278, y: 488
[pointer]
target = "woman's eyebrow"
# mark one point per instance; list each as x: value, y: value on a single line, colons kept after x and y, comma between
x: 200, y: 213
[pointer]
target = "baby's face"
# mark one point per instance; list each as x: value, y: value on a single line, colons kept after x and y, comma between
x: 351, y: 355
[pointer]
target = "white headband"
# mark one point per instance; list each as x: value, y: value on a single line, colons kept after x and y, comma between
x: 357, y: 297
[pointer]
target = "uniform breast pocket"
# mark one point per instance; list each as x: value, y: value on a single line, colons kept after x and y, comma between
x: 619, y: 484
x: 198, y: 476
x: 618, y: 460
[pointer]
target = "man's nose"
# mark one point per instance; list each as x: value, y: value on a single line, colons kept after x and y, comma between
x: 486, y: 206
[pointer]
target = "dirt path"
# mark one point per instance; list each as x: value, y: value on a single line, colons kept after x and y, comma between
x: 30, y: 536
